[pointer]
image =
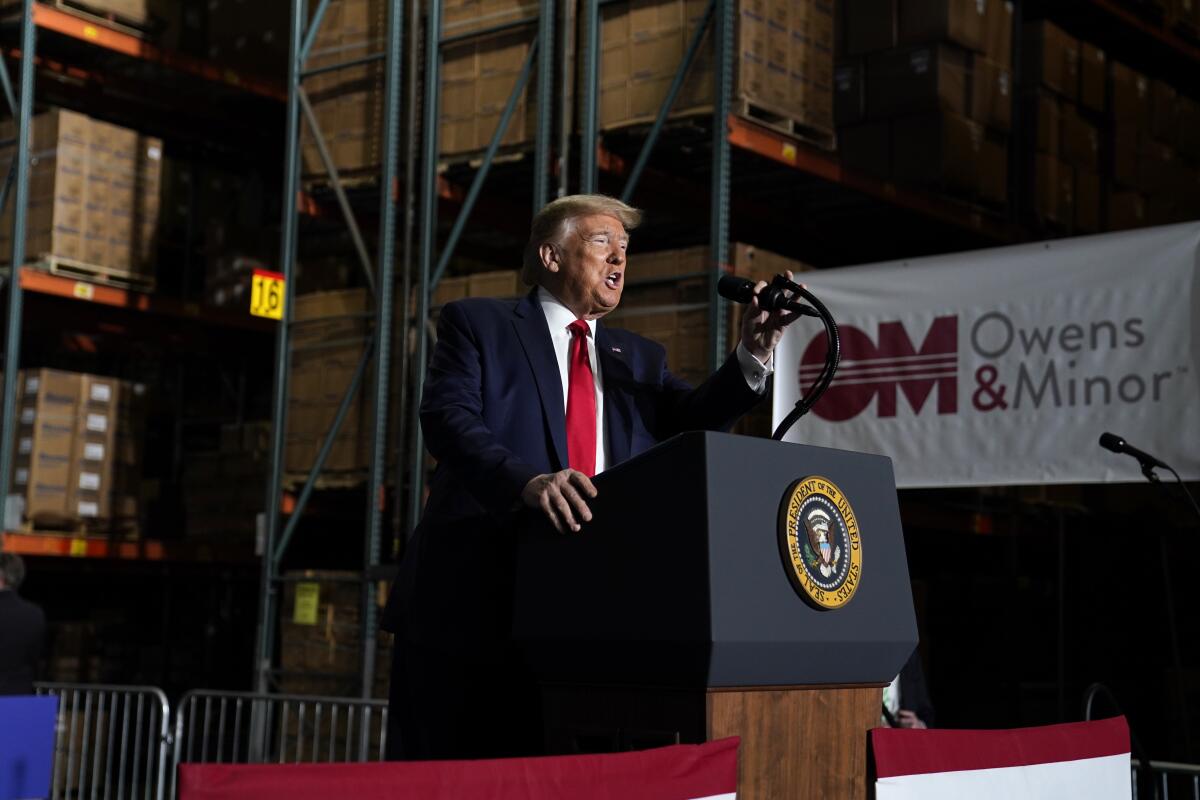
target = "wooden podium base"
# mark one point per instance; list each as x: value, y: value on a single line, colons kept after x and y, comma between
x: 797, y: 743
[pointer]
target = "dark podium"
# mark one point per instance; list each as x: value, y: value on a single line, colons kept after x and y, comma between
x: 671, y: 617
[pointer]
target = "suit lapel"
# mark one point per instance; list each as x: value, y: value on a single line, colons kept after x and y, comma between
x: 615, y: 373
x: 530, y: 324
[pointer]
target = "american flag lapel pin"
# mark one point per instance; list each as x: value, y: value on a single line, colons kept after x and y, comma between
x: 616, y: 349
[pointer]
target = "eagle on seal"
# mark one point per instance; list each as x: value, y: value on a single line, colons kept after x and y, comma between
x: 817, y: 523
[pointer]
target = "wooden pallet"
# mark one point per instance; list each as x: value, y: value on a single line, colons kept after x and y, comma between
x: 293, y: 481
x: 142, y: 28
x: 107, y: 529
x: 94, y: 273
x: 765, y: 116
x: 352, y: 180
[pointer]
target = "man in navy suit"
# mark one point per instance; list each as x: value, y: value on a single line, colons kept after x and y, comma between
x: 524, y: 402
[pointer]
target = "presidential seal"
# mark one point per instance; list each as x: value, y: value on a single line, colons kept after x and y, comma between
x: 819, y: 542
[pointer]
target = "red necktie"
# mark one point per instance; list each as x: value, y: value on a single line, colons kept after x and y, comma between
x: 581, y: 402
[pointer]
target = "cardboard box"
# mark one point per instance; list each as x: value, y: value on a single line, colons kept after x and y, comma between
x: 1051, y: 59
x: 1129, y: 96
x: 1043, y: 125
x: 1125, y: 152
x: 46, y: 414
x: 94, y: 453
x: 991, y: 95
x: 449, y: 290
x: 870, y: 26
x: 1126, y: 210
x: 1093, y: 77
x: 1187, y: 120
x: 1080, y: 141
x: 949, y: 151
x: 1087, y: 201
x: 500, y: 283
x: 1054, y: 190
x: 997, y: 32
x: 929, y: 78
x: 1158, y: 169
x: 849, y: 92
x: 867, y: 148
x: 1163, y: 100
x: 251, y: 37
x: 959, y: 22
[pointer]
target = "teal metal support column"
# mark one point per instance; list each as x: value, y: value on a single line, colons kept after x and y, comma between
x: 12, y: 341
x: 427, y: 243
x: 287, y: 258
x: 385, y: 299
x: 589, y: 83
x: 719, y: 213
x: 545, y: 105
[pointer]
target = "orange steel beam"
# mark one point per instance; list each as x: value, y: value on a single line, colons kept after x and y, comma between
x: 1160, y: 32
x: 770, y: 144
x: 61, y: 22
x: 66, y: 545
x: 40, y: 282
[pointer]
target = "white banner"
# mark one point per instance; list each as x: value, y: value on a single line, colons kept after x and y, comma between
x: 1004, y: 366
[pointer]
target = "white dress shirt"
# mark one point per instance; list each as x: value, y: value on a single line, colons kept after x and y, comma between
x: 559, y: 318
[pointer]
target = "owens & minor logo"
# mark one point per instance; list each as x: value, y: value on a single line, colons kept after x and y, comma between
x: 869, y: 370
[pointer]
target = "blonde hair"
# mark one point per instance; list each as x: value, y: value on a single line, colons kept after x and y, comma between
x: 553, y: 221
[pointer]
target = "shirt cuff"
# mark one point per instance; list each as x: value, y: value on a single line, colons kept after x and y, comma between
x: 755, y: 371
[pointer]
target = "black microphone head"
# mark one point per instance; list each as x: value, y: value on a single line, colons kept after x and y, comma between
x: 739, y: 290
x: 1110, y: 441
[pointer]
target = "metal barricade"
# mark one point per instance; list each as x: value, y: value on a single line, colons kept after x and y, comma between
x: 110, y: 742
x: 1166, y: 776
x: 248, y: 728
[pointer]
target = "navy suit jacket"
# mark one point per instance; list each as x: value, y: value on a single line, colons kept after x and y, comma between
x: 492, y: 415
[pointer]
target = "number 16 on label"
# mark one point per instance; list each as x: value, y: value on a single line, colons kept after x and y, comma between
x: 266, y: 294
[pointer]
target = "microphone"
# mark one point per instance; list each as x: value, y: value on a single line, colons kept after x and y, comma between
x: 1110, y: 441
x: 771, y: 298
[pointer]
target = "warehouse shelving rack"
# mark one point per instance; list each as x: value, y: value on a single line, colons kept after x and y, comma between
x: 376, y: 356
x: 78, y: 53
x: 59, y: 58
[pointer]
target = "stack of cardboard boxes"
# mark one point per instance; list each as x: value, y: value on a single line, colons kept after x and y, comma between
x: 1155, y: 164
x: 223, y: 491
x: 1063, y: 100
x: 78, y: 451
x: 1112, y: 148
x: 348, y: 103
x: 923, y: 93
x: 492, y: 283
x: 328, y: 338
x: 783, y: 63
x: 93, y: 196
x: 479, y: 74
x: 320, y: 635
x: 249, y: 36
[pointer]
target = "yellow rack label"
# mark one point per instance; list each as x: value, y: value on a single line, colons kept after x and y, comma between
x: 78, y: 547
x: 308, y: 597
x: 266, y: 294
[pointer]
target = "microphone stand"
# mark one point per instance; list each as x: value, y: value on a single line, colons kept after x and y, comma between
x: 1152, y: 476
x: 1148, y: 468
x: 833, y: 355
